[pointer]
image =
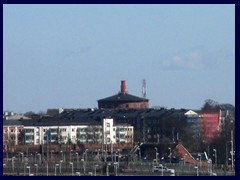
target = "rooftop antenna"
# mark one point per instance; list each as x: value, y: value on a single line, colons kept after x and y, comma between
x: 144, y: 89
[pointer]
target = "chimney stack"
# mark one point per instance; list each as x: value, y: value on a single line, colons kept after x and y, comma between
x: 123, y: 87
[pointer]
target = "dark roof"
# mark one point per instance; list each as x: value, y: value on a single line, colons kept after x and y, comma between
x: 14, y: 122
x: 95, y: 116
x: 123, y: 97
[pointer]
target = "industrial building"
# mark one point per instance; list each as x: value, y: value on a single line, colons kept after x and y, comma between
x: 123, y: 100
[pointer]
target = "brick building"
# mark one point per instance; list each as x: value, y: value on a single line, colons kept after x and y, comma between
x: 123, y: 100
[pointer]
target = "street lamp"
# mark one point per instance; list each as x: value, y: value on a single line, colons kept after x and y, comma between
x: 28, y: 167
x: 77, y: 159
x: 13, y: 163
x: 84, y: 167
x: 20, y: 153
x: 196, y: 167
x: 108, y: 164
x: 47, y: 168
x: 98, y: 155
x: 36, y: 168
x: 215, y: 156
x: 25, y: 164
x: 156, y: 154
x: 95, y: 168
x: 170, y: 155
x: 60, y: 166
x: 62, y: 154
x: 71, y: 163
x: 39, y: 157
x: 56, y: 165
x: 210, y: 166
x: 31, y: 155
x: 86, y: 154
x: 115, y: 167
x: 36, y: 156
x: 162, y: 168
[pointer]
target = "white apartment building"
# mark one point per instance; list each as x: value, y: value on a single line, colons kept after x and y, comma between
x: 105, y: 133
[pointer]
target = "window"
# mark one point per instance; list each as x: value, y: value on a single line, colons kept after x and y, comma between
x: 113, y: 129
x: 108, y: 124
x: 73, y: 130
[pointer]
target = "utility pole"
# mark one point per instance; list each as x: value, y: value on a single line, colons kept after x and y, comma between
x: 232, y: 148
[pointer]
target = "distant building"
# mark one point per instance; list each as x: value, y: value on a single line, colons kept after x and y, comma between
x: 209, y: 126
x: 63, y: 131
x: 123, y: 100
x: 193, y: 123
x: 12, y: 132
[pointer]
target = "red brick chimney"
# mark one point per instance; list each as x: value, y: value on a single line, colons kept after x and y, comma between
x: 123, y: 87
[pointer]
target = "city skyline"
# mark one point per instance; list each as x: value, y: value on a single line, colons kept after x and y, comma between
x: 70, y: 56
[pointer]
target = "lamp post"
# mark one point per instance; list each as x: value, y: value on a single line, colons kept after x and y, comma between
x: 115, y: 167
x: 156, y: 154
x: 115, y: 159
x: 47, y: 168
x: 98, y: 155
x: 13, y: 163
x: 31, y: 155
x: 20, y: 153
x: 215, y: 157
x: 86, y: 154
x: 36, y: 168
x: 77, y: 159
x: 95, y: 169
x: 196, y: 167
x: 232, y: 151
x: 28, y: 167
x: 84, y: 167
x: 62, y: 154
x: 210, y: 166
x: 170, y: 154
x: 71, y: 163
x: 39, y: 157
x: 107, y: 170
x: 60, y: 166
x: 56, y: 165
x: 36, y: 156
x: 25, y: 164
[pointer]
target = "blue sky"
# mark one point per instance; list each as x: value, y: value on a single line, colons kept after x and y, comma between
x: 72, y: 55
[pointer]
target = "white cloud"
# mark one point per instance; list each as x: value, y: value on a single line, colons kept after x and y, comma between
x: 190, y: 60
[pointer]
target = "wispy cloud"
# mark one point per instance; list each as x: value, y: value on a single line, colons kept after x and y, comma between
x: 190, y: 60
